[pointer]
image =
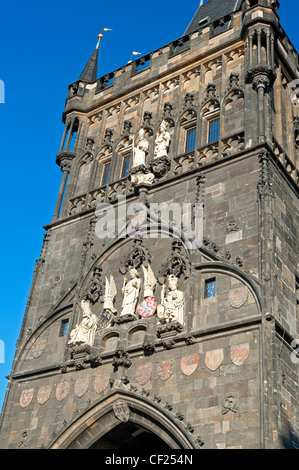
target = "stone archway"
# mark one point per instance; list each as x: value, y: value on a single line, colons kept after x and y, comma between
x: 129, y: 436
x: 99, y: 426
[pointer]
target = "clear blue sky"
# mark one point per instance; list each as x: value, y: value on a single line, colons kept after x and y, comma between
x: 45, y: 46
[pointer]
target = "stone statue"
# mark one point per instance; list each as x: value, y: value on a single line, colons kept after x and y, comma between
x: 84, y: 333
x: 162, y: 141
x: 140, y: 149
x: 172, y: 306
x: 131, y: 292
x: 110, y: 294
x: 149, y: 282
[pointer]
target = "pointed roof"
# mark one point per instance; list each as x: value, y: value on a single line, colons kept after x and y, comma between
x: 211, y: 11
x: 89, y: 74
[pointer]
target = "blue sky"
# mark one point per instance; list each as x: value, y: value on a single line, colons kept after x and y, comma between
x: 45, y: 46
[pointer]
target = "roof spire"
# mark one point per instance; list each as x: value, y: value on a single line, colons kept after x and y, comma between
x: 89, y: 73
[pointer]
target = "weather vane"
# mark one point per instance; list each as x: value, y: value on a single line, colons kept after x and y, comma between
x: 100, y: 36
x: 134, y: 53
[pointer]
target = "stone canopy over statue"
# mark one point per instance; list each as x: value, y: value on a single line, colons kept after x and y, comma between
x: 84, y: 333
x: 172, y: 305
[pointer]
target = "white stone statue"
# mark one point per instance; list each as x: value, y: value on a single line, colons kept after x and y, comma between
x: 149, y: 282
x: 84, y: 333
x: 162, y: 141
x: 172, y: 305
x: 110, y: 294
x: 140, y: 149
x: 131, y: 292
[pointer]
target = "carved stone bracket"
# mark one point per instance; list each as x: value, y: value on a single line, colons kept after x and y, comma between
x: 160, y: 166
x: 64, y: 160
x: 261, y: 76
x: 121, y: 359
x: 169, y: 329
x: 125, y: 319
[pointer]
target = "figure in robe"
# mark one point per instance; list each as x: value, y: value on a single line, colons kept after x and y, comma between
x: 172, y: 305
x: 162, y: 141
x: 140, y: 149
x: 131, y: 293
x: 84, y: 333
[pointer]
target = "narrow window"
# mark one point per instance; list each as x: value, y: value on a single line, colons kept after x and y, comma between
x: 73, y: 141
x: 105, y: 174
x: 63, y: 327
x: 210, y: 288
x: 125, y: 166
x: 213, y: 130
x: 190, y: 139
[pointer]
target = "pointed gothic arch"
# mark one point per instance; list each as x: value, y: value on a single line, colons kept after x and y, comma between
x: 85, y: 431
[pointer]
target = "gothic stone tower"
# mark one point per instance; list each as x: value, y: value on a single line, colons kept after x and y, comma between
x: 215, y: 366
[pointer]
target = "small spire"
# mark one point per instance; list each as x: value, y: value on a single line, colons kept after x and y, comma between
x: 89, y: 74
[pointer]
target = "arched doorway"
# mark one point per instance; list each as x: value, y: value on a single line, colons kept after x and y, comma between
x: 100, y: 428
x: 129, y: 436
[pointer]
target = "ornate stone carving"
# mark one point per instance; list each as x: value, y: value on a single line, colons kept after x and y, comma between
x: 137, y: 256
x: 261, y: 76
x: 64, y: 160
x: 121, y: 359
x: 176, y: 264
x: 108, y: 136
x: 141, y: 175
x: 140, y: 148
x: 160, y: 166
x: 84, y: 333
x: 229, y: 404
x: 110, y: 294
x: 162, y: 141
x: 264, y: 184
x: 130, y: 291
x: 172, y: 305
x: 23, y: 441
x: 95, y: 287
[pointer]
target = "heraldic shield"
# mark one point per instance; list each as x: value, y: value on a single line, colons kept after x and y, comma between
x: 239, y: 353
x: 189, y: 364
x: 214, y: 359
x: 122, y: 412
x: 144, y: 373
x: 166, y: 369
x: 26, y: 398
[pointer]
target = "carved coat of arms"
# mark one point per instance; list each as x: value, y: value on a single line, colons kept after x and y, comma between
x: 166, y: 369
x: 81, y: 387
x: 238, y: 297
x: 122, y: 412
x: 43, y: 394
x: 39, y: 347
x: 214, y: 359
x: 239, y: 353
x: 26, y: 397
x: 62, y: 390
x: 189, y: 364
x: 144, y: 373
